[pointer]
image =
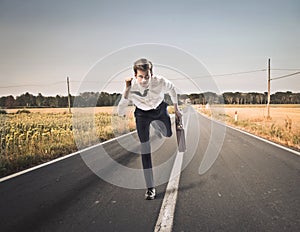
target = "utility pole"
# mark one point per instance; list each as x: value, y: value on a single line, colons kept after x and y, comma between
x: 69, y: 100
x: 269, y: 89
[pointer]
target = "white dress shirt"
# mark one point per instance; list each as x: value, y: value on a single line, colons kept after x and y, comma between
x: 150, y: 97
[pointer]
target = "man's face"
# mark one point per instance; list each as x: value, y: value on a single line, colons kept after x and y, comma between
x: 143, y: 78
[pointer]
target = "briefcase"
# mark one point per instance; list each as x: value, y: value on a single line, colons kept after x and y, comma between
x: 180, y: 136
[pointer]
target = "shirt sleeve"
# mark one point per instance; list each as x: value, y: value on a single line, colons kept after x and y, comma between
x: 123, y: 105
x: 170, y: 89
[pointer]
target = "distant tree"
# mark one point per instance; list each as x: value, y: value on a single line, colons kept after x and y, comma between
x: 52, y: 102
x: 236, y: 97
x: 79, y: 101
x: 115, y: 98
x: 228, y: 97
x: 102, y: 99
x: 61, y: 101
x: 26, y: 99
x: 285, y: 98
x: 9, y: 102
x: 195, y: 98
x: 211, y: 98
x: 39, y: 100
x: 90, y: 98
x: 2, y: 101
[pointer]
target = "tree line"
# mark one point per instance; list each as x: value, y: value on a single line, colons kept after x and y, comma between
x: 242, y: 98
x: 91, y: 99
x: 86, y: 99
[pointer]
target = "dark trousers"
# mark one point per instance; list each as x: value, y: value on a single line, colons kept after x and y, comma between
x: 160, y: 120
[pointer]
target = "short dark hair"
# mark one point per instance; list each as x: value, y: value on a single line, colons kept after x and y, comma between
x: 142, y: 64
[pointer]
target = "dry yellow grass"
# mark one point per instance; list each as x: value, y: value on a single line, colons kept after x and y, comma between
x: 279, y: 114
x: 283, y: 127
x: 28, y: 139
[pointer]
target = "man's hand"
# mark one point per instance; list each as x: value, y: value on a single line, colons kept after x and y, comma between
x: 178, y: 114
x: 128, y: 86
x: 128, y: 81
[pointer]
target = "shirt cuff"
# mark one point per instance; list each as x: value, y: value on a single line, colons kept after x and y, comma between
x: 173, y: 96
x: 122, y: 106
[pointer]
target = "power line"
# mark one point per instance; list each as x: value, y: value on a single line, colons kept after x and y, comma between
x: 286, y: 69
x: 221, y: 75
x: 31, y: 85
x: 216, y: 75
x: 236, y: 73
x: 292, y: 74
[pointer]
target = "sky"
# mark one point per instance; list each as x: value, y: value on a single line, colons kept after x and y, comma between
x: 43, y: 42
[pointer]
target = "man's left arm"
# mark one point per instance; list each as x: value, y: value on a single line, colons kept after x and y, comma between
x: 169, y: 86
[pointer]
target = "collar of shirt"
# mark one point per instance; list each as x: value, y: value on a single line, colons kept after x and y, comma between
x: 147, y: 98
x: 136, y: 86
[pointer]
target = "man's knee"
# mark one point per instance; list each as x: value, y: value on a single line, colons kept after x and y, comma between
x: 169, y: 134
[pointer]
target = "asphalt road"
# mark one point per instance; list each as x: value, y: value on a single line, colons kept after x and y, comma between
x: 252, y: 186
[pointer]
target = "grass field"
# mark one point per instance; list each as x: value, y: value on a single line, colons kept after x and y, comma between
x: 29, y: 139
x: 283, y: 127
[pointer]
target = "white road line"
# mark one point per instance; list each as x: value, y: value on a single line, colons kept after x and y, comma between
x: 166, y: 214
x: 61, y: 158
